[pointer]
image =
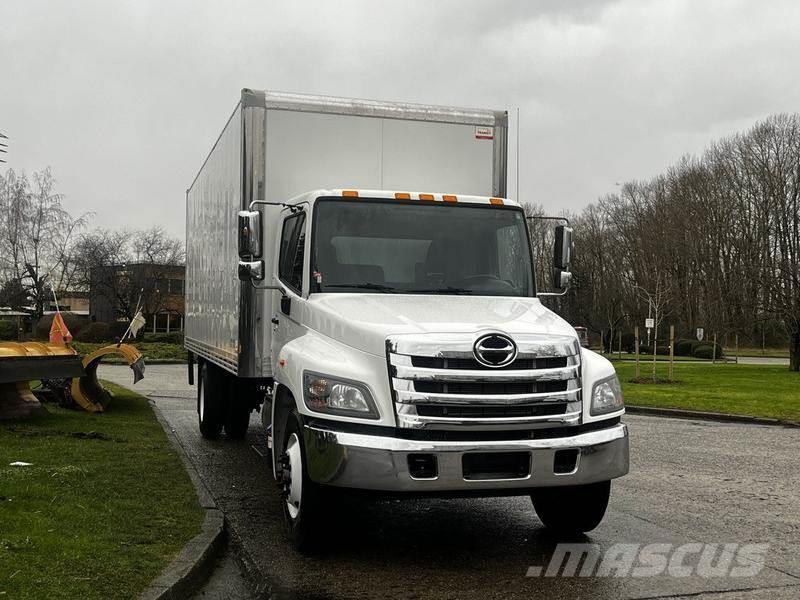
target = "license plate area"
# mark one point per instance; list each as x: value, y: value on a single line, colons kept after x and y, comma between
x: 482, y: 466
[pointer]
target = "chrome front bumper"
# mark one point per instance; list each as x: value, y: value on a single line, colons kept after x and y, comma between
x: 373, y: 462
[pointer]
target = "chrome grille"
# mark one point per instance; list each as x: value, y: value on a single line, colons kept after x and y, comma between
x: 438, y: 384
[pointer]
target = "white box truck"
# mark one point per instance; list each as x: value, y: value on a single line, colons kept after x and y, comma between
x: 355, y: 273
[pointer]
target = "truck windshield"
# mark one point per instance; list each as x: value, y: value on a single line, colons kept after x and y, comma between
x: 390, y: 246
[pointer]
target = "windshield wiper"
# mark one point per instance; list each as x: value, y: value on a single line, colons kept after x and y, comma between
x: 441, y: 290
x: 364, y: 286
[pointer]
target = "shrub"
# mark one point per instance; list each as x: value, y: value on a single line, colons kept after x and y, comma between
x: 74, y: 323
x: 8, y: 330
x: 645, y: 349
x: 662, y: 350
x: 94, y: 332
x: 116, y: 329
x: 684, y: 347
x: 173, y: 337
x: 706, y: 350
x: 629, y: 342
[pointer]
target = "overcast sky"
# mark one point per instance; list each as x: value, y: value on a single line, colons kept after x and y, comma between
x: 124, y: 99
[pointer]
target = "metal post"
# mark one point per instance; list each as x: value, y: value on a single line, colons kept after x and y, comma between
x: 168, y: 315
x: 671, y: 350
x: 619, y: 345
x: 737, y: 349
x: 154, y: 322
x: 655, y: 345
x: 714, y: 350
x: 636, y: 343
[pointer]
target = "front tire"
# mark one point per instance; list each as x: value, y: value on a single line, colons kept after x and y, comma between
x: 572, y: 509
x: 209, y: 402
x: 300, y: 496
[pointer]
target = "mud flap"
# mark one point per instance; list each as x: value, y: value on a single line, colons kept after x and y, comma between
x: 87, y: 392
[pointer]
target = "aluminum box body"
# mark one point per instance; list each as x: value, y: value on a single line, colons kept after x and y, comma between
x: 276, y: 146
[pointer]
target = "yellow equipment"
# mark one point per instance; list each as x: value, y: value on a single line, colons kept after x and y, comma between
x: 87, y: 391
x: 61, y: 367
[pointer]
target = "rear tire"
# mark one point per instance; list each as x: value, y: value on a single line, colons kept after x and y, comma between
x: 209, y: 401
x: 301, y: 498
x: 572, y: 509
x: 237, y: 419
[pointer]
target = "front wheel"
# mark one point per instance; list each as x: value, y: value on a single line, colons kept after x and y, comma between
x: 572, y: 509
x: 300, y: 495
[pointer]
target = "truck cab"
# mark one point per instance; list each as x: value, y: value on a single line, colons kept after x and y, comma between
x: 404, y: 349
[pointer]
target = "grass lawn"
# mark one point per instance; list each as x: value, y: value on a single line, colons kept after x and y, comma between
x: 755, y: 390
x: 151, y: 351
x: 105, y: 506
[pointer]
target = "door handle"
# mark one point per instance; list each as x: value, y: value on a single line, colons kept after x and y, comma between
x: 274, y: 321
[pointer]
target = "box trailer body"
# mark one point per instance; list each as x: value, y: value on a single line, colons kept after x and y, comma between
x: 276, y: 146
x: 355, y: 271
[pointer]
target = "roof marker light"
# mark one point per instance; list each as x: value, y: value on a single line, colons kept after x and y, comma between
x: 498, y: 201
x: 350, y: 193
x: 402, y: 195
x: 426, y: 197
x: 449, y: 198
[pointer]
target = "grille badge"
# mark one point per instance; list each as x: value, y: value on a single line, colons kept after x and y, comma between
x: 494, y: 350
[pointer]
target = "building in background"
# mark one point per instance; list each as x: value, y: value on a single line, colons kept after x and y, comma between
x: 115, y: 291
x: 74, y: 301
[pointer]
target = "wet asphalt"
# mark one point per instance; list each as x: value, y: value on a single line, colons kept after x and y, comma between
x: 690, y: 481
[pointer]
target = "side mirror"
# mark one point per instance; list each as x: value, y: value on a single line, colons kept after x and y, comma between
x: 249, y: 235
x: 251, y: 270
x: 562, y: 250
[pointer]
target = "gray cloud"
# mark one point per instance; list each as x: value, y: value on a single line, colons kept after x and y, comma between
x: 125, y: 99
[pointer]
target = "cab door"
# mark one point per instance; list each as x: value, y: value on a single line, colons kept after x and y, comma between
x: 289, y: 307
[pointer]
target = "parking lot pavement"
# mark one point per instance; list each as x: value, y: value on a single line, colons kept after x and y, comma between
x: 690, y: 482
x: 763, y: 360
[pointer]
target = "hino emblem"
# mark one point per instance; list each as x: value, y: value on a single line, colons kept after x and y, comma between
x: 495, y: 350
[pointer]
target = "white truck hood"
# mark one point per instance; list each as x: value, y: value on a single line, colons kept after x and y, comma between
x: 364, y: 321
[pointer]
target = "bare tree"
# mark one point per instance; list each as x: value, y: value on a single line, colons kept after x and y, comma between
x: 36, y: 233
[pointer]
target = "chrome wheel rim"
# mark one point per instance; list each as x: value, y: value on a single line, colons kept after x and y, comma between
x: 294, y: 488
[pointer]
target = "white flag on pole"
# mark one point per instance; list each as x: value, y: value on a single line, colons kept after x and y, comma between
x: 137, y: 323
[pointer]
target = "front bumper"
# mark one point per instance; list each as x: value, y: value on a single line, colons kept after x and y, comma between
x: 374, y: 462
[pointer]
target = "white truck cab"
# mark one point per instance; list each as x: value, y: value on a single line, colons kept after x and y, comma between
x: 393, y: 340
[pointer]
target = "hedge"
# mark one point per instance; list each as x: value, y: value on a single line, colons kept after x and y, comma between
x: 94, y: 332
x: 74, y: 323
x: 173, y: 337
x: 8, y: 330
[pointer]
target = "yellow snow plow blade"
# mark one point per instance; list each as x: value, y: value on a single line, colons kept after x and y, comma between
x: 87, y: 391
x: 23, y: 362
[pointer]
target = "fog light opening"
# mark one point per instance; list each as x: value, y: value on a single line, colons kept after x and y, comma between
x: 423, y: 466
x: 565, y: 462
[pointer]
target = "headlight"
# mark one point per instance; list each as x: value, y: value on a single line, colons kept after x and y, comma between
x: 337, y: 396
x: 606, y: 396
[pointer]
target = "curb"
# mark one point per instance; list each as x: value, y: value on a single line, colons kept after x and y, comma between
x: 679, y: 413
x: 187, y: 573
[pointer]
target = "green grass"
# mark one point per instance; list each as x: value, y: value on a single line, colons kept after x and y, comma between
x: 151, y: 350
x: 105, y: 506
x: 755, y: 390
